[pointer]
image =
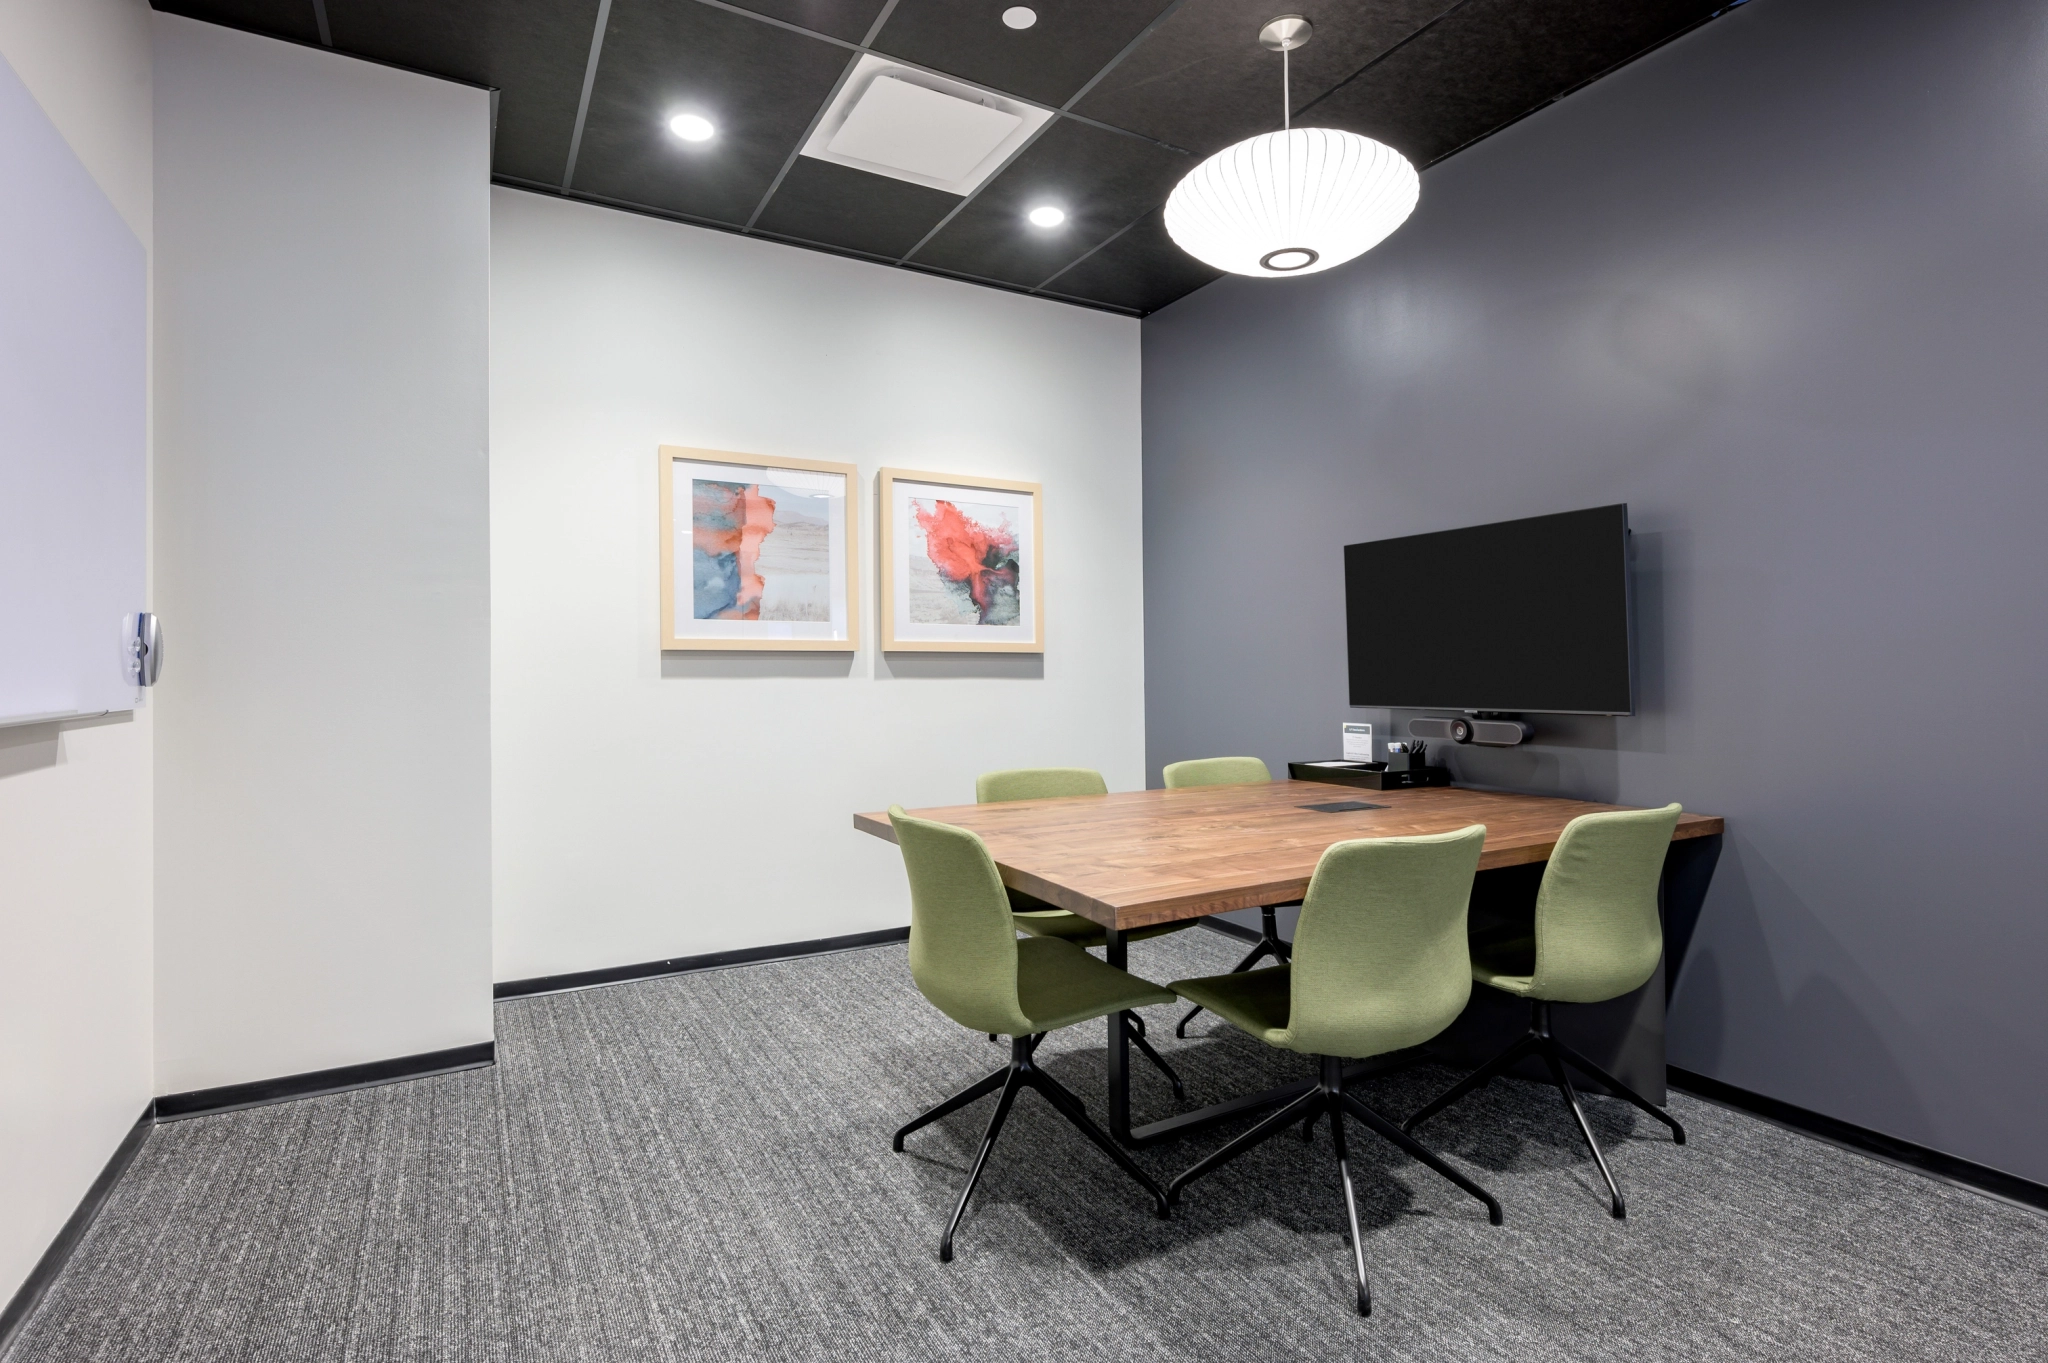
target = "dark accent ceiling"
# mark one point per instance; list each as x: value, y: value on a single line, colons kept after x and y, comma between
x: 1144, y: 88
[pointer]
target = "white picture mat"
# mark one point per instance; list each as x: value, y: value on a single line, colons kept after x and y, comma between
x: 684, y: 474
x: 904, y: 539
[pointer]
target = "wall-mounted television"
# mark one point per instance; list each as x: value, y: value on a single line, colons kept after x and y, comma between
x: 1518, y: 617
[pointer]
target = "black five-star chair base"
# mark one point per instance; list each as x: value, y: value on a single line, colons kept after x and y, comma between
x: 1556, y: 1055
x: 1329, y: 1098
x: 1023, y: 1073
x: 1134, y: 1028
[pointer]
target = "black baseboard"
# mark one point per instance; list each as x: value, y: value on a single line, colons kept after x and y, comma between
x: 342, y: 1078
x: 1892, y: 1150
x: 31, y: 1291
x: 683, y: 965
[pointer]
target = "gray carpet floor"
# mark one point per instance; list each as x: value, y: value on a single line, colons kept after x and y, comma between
x: 699, y: 1168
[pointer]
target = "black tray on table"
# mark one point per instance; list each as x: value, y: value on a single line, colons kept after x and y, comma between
x: 1368, y: 775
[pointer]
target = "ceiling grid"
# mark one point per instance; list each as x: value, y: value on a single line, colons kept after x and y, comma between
x: 1140, y: 91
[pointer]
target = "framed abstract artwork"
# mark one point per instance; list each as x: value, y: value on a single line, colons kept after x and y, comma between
x: 960, y: 570
x: 757, y: 553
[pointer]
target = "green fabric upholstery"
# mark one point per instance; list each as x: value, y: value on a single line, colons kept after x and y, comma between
x: 964, y: 952
x: 1598, y: 934
x: 1379, y: 961
x: 1253, y: 1001
x: 963, y: 947
x: 1216, y: 771
x: 1082, y: 932
x: 1059, y: 985
x: 1068, y: 927
x: 1034, y: 915
x: 1037, y: 783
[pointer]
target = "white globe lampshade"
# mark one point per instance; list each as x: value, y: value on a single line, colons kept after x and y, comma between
x: 1291, y: 203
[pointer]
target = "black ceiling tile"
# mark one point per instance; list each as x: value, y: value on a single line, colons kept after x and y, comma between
x: 848, y: 19
x: 1427, y: 76
x: 837, y: 205
x: 1142, y: 270
x: 1047, y: 63
x: 1493, y: 61
x: 284, y: 18
x: 532, y: 51
x: 1202, y: 81
x: 1102, y: 179
x: 761, y: 85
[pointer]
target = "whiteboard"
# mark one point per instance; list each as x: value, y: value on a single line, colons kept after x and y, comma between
x: 73, y: 407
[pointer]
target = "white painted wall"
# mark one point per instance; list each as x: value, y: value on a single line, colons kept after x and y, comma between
x: 75, y: 969
x: 322, y: 793
x: 650, y: 807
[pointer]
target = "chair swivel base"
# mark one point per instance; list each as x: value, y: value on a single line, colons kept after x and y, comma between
x: 1556, y: 1055
x: 1329, y: 1098
x: 1021, y: 1073
x: 1134, y: 1028
x: 1269, y: 945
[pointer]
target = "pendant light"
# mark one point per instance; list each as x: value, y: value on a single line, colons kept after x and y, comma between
x: 1292, y: 202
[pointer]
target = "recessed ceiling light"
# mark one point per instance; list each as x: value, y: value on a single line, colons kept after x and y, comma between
x: 691, y: 127
x: 1020, y: 16
x: 1047, y: 216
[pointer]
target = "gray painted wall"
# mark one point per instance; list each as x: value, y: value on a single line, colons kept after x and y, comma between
x: 1782, y: 286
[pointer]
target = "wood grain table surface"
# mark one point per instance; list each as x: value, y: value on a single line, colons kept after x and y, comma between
x: 1154, y: 856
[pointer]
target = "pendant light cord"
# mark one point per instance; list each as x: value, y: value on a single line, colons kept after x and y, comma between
x: 1286, y: 96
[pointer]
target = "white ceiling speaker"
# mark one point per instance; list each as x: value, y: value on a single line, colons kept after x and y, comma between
x: 914, y: 125
x: 1298, y: 201
x: 1020, y: 16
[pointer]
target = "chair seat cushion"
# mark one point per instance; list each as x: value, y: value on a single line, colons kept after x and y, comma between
x: 1507, y: 963
x: 1068, y: 927
x: 1513, y: 984
x: 1255, y: 1001
x: 1072, y: 927
x: 1058, y: 985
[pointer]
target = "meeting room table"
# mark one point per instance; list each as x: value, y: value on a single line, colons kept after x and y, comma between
x: 1139, y: 858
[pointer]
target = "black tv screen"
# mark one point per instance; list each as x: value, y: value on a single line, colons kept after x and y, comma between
x: 1516, y: 617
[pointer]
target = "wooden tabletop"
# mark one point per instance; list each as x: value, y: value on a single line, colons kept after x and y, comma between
x: 1154, y: 856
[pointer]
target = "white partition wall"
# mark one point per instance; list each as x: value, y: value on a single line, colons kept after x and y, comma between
x: 75, y: 968
x: 323, y: 799
x: 650, y: 807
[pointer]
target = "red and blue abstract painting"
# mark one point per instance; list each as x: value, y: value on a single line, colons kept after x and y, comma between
x: 759, y: 552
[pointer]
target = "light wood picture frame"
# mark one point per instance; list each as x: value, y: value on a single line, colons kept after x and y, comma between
x: 758, y: 553
x: 960, y: 563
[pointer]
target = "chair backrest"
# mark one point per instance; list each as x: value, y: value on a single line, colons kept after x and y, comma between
x: 1037, y: 783
x: 963, y: 943
x: 1380, y: 956
x: 1216, y: 771
x: 1598, y: 933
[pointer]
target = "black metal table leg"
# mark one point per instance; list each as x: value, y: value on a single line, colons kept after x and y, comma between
x: 1118, y: 953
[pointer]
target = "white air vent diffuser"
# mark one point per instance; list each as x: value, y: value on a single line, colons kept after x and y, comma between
x: 907, y: 127
x: 911, y: 125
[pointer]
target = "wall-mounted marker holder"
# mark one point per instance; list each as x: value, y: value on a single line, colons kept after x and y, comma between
x: 146, y: 649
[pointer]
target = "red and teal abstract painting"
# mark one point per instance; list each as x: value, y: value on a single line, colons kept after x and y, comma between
x: 964, y: 566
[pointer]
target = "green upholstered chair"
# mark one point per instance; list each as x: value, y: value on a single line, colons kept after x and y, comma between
x: 969, y: 962
x: 1035, y: 916
x: 1598, y: 936
x: 1216, y: 771
x: 1230, y: 771
x: 1380, y: 964
x: 1041, y: 919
